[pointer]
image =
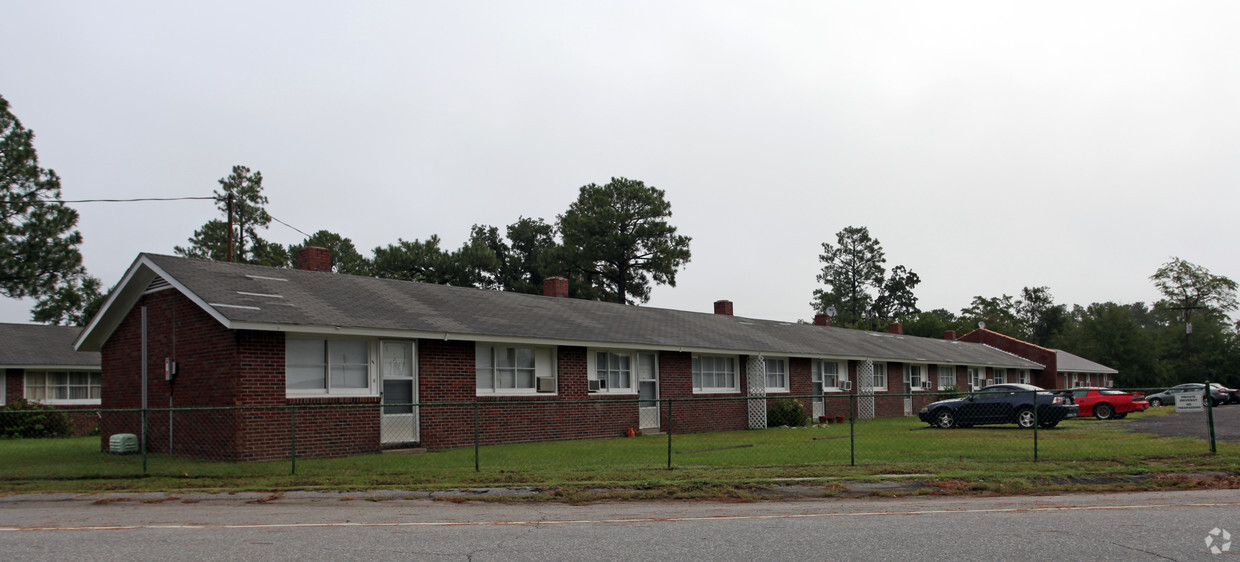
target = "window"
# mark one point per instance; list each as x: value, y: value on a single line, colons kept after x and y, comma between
x: 59, y: 387
x: 714, y: 374
x: 880, y: 376
x: 1022, y: 376
x: 513, y: 370
x: 947, y: 376
x: 777, y: 375
x: 1000, y: 376
x: 914, y: 375
x: 613, y: 370
x: 322, y: 366
x: 977, y: 377
x: 829, y: 372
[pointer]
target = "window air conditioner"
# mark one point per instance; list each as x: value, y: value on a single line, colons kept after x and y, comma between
x: 846, y: 385
x: 988, y: 382
x: 1110, y: 384
x: 546, y: 384
x: 927, y: 385
x: 595, y: 386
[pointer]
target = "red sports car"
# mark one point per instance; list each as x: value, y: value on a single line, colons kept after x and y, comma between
x: 1107, y: 404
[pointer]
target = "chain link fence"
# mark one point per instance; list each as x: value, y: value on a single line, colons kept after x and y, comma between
x: 498, y: 437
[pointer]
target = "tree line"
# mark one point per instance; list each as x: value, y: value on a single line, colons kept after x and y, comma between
x: 613, y: 243
x: 1186, y: 336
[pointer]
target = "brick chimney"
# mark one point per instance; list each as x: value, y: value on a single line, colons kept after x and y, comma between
x: 723, y: 307
x: 314, y: 258
x: 895, y: 328
x: 821, y: 319
x: 555, y: 287
x: 949, y: 335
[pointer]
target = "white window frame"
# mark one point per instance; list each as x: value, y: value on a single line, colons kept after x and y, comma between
x: 730, y: 372
x: 913, y: 381
x: 1000, y: 375
x: 372, y: 385
x: 880, y: 375
x: 830, y: 381
x: 1022, y: 376
x: 946, y: 373
x: 544, y: 366
x: 977, y: 376
x: 90, y: 384
x: 605, y: 386
x: 781, y: 386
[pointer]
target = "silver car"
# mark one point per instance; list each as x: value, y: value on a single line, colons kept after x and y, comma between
x: 1167, y: 397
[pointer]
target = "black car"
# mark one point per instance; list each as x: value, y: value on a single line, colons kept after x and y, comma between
x: 1001, y: 403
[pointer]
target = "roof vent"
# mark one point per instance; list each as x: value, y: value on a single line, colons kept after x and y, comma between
x: 158, y: 284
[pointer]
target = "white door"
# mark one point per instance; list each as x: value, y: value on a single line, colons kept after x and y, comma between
x: 400, y: 392
x: 818, y: 392
x: 648, y: 391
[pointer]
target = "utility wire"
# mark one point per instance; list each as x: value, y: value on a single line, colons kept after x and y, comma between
x: 161, y: 199
x: 126, y: 200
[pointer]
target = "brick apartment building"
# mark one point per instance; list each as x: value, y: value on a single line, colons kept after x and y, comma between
x: 38, y: 363
x: 262, y: 339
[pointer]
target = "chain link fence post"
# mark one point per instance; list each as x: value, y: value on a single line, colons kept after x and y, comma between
x: 852, y: 422
x: 143, y: 440
x: 669, y: 434
x: 477, y: 463
x: 1210, y: 418
x: 1036, y: 422
x: 293, y: 425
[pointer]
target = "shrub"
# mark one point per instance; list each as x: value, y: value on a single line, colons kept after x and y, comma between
x: 786, y: 411
x: 952, y: 391
x: 22, y: 418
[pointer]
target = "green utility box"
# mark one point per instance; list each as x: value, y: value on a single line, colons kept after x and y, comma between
x: 123, y: 444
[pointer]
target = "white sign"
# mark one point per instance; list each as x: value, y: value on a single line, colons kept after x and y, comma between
x: 1189, y: 402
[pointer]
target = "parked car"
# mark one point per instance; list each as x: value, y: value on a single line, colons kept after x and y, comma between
x: 1167, y: 397
x: 1232, y: 394
x: 1001, y: 403
x: 1106, y: 403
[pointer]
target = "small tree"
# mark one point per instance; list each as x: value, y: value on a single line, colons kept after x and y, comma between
x: 249, y: 215
x: 618, y: 237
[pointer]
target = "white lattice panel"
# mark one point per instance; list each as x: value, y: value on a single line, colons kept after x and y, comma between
x: 756, y: 376
x: 865, y: 390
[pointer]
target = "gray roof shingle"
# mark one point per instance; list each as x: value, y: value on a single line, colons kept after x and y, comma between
x: 259, y: 297
x: 29, y: 345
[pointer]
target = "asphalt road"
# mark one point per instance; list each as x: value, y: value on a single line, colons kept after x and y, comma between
x: 308, y: 526
x: 1193, y: 424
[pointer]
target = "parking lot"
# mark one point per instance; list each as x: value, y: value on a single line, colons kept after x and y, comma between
x: 1193, y: 424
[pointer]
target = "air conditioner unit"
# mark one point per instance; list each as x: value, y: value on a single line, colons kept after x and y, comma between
x: 988, y: 382
x: 595, y: 385
x: 546, y: 384
x: 846, y: 385
x: 1110, y: 384
x: 927, y: 385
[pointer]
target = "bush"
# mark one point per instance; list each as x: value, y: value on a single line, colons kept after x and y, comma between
x: 22, y: 418
x: 786, y: 411
x: 952, y: 391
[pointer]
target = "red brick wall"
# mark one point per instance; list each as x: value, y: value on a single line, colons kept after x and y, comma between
x: 1046, y: 378
x: 85, y: 419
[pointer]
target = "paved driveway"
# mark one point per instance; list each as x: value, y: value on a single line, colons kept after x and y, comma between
x: 1185, y: 424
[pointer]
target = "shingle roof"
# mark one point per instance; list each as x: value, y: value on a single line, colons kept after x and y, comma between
x: 256, y: 297
x: 38, y: 345
x: 1069, y: 363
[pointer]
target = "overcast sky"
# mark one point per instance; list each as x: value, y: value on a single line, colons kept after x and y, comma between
x: 989, y: 146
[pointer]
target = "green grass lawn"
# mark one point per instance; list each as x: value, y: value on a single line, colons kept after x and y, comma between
x: 880, y: 447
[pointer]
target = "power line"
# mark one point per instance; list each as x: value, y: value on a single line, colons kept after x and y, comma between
x: 288, y: 225
x: 140, y: 199
x: 128, y: 200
